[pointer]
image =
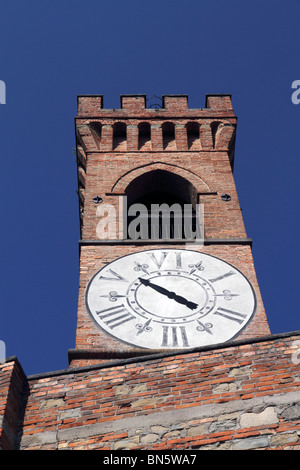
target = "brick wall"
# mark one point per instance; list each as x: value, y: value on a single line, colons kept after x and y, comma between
x: 108, y: 162
x: 13, y: 389
x: 243, y: 396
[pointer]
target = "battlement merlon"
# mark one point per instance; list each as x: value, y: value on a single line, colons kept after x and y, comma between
x: 216, y: 106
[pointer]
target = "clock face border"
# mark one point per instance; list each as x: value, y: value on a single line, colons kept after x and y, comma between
x: 217, y: 343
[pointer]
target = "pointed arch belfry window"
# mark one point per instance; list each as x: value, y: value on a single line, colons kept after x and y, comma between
x: 161, y: 205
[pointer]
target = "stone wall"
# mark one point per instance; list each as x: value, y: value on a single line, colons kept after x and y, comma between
x: 242, y: 396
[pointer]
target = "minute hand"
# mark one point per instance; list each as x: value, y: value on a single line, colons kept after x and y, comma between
x: 169, y: 294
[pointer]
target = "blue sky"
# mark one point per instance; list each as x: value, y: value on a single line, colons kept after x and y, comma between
x: 52, y: 51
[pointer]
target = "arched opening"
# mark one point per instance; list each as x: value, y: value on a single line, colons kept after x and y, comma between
x: 144, y: 142
x: 96, y: 129
x: 119, y: 136
x: 161, y: 205
x: 193, y: 135
x: 168, y: 131
x: 214, y: 129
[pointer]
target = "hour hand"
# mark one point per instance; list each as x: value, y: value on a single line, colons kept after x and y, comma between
x: 159, y: 289
x: 187, y: 303
x: 169, y: 294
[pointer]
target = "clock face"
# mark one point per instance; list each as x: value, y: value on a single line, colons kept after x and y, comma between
x: 170, y: 299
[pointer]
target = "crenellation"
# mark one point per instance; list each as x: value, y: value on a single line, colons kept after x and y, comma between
x: 219, y: 102
x: 175, y: 102
x: 133, y: 102
x: 172, y: 106
x: 173, y: 127
x: 89, y: 104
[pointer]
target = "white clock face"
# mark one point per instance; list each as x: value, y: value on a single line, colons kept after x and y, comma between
x: 171, y: 299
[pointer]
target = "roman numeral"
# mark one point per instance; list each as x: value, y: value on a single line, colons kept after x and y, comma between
x: 115, y: 276
x: 115, y: 316
x: 170, y: 336
x: 158, y: 262
x: 214, y: 279
x: 230, y: 314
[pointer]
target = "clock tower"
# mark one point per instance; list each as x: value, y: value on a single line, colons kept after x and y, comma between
x: 165, y: 261
x: 173, y: 348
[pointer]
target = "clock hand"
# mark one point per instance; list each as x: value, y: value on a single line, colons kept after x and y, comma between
x: 184, y: 301
x: 159, y: 289
x: 170, y: 295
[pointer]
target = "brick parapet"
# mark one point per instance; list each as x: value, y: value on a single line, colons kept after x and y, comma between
x: 241, y: 396
x: 13, y: 390
x: 216, y: 105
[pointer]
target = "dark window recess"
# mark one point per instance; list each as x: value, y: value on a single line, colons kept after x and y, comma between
x: 119, y: 136
x: 163, y: 216
x: 168, y: 131
x: 144, y: 136
x: 167, y: 202
x: 193, y: 135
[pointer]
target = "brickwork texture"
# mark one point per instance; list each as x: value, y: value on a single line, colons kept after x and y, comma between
x: 238, y: 397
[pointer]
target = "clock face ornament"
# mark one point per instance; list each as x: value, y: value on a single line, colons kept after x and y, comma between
x: 170, y: 299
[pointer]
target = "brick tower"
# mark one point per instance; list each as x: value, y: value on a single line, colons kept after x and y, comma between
x: 173, y: 349
x: 166, y: 155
